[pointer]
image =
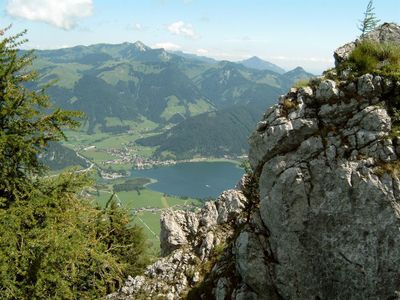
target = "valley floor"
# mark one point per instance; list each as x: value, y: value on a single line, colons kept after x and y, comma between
x: 114, y: 156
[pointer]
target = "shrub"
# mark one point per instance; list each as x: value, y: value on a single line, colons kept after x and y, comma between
x: 289, y: 104
x: 375, y: 58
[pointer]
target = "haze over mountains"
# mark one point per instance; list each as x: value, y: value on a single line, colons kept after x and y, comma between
x: 119, y: 85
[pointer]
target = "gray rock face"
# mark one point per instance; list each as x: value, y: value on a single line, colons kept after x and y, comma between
x: 250, y: 264
x: 176, y: 227
x: 188, y: 241
x: 327, y: 90
x: 230, y: 205
x: 333, y: 222
x: 318, y: 218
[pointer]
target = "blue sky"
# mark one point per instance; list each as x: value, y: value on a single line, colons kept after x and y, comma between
x: 286, y: 32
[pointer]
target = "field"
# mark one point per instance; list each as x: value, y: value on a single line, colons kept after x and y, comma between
x: 111, y: 150
x: 146, y: 208
x: 150, y: 221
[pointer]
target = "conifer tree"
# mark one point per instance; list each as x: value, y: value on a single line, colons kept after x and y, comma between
x: 370, y: 21
x: 54, y: 244
x: 25, y: 129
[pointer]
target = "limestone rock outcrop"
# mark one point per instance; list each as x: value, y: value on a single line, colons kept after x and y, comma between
x: 317, y: 218
x: 331, y: 210
x: 191, y: 243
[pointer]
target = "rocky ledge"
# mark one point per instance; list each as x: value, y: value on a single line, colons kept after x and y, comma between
x: 317, y: 218
x: 191, y: 244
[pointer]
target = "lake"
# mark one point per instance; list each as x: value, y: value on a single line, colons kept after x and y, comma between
x: 194, y: 179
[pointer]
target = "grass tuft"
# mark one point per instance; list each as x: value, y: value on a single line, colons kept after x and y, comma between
x: 375, y: 58
x: 392, y: 168
x: 288, y: 104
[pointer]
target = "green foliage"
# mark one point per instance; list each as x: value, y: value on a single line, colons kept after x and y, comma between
x: 131, y: 185
x: 56, y: 246
x: 49, y: 248
x: 123, y: 241
x: 57, y: 157
x: 245, y: 165
x: 25, y: 130
x: 53, y: 243
x: 376, y: 58
x: 370, y: 21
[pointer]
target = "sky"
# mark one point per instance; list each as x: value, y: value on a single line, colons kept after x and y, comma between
x: 289, y: 33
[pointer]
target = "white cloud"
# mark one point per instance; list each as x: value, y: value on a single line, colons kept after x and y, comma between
x: 180, y: 28
x: 60, y: 13
x: 138, y: 26
x: 168, y: 46
x: 202, y: 51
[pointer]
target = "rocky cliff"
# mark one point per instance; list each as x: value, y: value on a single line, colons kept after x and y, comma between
x: 317, y: 218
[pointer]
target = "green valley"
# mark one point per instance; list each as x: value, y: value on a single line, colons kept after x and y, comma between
x: 147, y: 108
x: 144, y: 106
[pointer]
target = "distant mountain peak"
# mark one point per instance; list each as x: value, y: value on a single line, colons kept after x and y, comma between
x: 254, y: 58
x: 257, y: 63
x: 141, y: 46
x: 298, y: 73
x: 298, y: 69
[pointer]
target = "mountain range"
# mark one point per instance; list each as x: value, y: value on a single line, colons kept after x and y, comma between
x: 133, y: 82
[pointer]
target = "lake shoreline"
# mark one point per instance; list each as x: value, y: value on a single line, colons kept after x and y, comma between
x: 195, y: 179
x: 192, y: 160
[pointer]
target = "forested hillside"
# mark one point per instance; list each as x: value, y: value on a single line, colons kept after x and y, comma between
x: 216, y: 134
x: 121, y: 86
x: 127, y: 80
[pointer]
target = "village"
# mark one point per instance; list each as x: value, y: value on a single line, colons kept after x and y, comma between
x: 129, y: 156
